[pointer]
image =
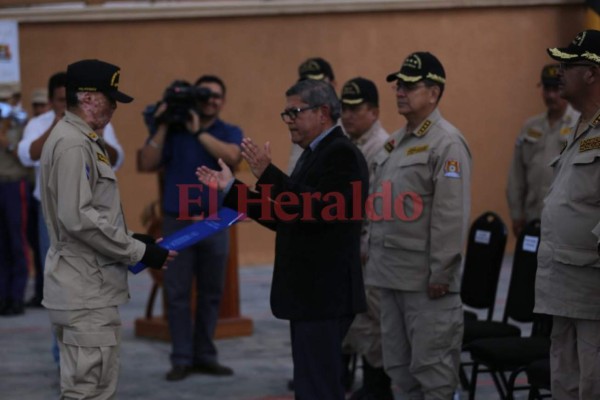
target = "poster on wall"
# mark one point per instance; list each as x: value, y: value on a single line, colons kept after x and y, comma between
x: 9, y: 52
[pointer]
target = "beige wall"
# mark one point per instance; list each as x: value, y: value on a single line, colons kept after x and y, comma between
x: 492, y: 58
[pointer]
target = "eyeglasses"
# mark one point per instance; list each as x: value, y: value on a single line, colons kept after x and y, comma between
x: 407, y: 87
x: 566, y: 65
x: 291, y: 114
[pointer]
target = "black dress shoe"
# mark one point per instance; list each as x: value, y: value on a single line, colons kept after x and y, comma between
x: 16, y: 308
x: 35, y: 302
x: 178, y: 372
x: 212, y: 369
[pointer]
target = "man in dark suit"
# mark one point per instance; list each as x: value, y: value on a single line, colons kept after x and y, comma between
x: 317, y: 214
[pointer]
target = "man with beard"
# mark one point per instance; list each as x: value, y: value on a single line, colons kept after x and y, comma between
x: 541, y: 139
x: 568, y: 274
x: 202, y: 140
x: 90, y: 247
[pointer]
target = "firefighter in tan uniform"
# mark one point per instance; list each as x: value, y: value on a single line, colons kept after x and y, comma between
x: 568, y: 275
x: 417, y: 232
x: 541, y: 139
x: 360, y: 120
x: 90, y: 247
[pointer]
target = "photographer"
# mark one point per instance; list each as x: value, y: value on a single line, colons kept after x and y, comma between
x: 186, y: 132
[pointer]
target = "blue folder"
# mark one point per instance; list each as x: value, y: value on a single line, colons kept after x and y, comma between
x: 194, y: 233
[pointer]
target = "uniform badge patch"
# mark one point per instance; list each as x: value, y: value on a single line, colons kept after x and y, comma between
x: 93, y: 135
x: 565, y: 130
x: 532, y: 133
x: 389, y: 146
x: 452, y: 169
x: 589, y: 144
x: 103, y: 158
x: 417, y: 149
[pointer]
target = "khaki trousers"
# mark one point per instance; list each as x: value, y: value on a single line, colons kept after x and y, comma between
x: 89, y: 352
x: 575, y: 359
x: 364, y: 336
x: 422, y: 341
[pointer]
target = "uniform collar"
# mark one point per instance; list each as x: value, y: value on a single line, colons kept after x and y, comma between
x: 81, y: 125
x: 426, y: 125
x: 595, y: 121
x: 422, y: 130
x: 364, y: 138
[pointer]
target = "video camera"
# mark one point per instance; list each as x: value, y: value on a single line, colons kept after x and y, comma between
x: 181, y: 97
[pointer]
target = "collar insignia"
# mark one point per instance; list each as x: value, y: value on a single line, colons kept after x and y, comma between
x: 423, y: 129
x: 103, y: 158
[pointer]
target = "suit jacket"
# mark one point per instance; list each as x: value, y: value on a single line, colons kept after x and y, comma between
x: 317, y: 216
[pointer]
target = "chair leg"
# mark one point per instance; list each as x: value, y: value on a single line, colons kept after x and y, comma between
x: 510, y: 387
x: 473, y: 383
x: 499, y: 382
x: 462, y: 375
x: 533, y: 394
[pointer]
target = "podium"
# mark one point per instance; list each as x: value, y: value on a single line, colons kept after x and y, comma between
x: 230, y: 323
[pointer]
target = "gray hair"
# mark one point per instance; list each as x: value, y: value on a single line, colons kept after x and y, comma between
x: 317, y: 93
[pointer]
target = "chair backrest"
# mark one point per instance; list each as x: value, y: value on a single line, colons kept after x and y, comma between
x: 483, y: 260
x: 521, y: 291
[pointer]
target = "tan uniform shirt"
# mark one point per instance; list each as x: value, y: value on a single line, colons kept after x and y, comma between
x: 530, y: 173
x: 568, y: 276
x: 370, y: 144
x: 419, y: 239
x: 86, y: 266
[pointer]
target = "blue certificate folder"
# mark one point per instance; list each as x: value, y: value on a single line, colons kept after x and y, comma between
x: 194, y: 233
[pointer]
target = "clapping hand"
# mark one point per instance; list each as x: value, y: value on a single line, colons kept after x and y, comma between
x: 258, y: 159
x: 215, y: 179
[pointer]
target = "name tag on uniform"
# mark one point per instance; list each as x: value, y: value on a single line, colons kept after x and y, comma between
x: 417, y: 149
x: 532, y: 133
x: 589, y: 144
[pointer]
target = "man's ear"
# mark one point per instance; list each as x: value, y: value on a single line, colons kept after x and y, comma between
x: 435, y: 94
x: 591, y: 74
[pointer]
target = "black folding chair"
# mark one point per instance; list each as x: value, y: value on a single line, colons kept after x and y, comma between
x: 538, y: 376
x: 511, y: 354
x: 483, y: 261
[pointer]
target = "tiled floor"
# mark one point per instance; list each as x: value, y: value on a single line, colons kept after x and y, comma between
x: 261, y: 362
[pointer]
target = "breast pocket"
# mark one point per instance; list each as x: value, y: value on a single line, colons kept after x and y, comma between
x: 585, y: 180
x: 105, y: 191
x: 414, y: 174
